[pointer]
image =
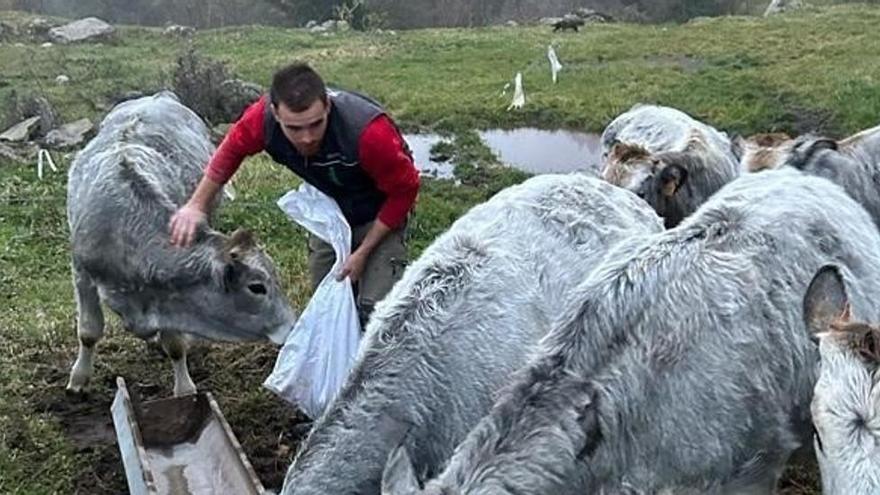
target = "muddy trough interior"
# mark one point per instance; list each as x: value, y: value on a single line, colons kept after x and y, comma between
x: 179, y: 446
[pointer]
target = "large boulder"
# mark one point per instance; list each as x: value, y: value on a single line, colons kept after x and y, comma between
x: 38, y: 28
x: 591, y: 16
x: 549, y: 21
x: 235, y: 96
x: 9, y: 154
x: 22, y: 131
x: 68, y: 135
x: 782, y: 6
x: 88, y: 29
x: 176, y: 30
x: 7, y: 31
x: 19, y: 107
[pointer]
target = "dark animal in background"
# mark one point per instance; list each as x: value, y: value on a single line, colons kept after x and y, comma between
x: 568, y: 23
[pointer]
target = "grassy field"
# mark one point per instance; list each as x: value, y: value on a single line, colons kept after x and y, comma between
x: 815, y: 70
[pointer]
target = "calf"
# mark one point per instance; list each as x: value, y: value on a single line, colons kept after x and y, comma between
x: 122, y: 189
x: 462, y: 319
x: 686, y: 365
x: 846, y: 400
x: 669, y: 159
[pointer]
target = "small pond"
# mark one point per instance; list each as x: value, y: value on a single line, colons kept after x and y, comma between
x: 540, y: 151
x: 536, y: 151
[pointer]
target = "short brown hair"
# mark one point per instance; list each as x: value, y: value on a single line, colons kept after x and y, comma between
x: 297, y: 86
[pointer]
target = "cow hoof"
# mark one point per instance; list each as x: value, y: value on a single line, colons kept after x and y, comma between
x: 185, y: 389
x: 76, y: 385
x: 72, y: 392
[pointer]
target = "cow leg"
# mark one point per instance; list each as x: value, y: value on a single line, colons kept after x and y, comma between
x: 175, y: 346
x: 89, y: 328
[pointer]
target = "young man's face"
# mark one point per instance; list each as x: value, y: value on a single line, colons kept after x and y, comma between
x: 305, y: 129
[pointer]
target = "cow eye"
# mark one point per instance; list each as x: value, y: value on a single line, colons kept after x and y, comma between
x: 257, y: 289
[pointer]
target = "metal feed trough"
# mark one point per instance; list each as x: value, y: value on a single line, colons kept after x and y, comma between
x: 179, y: 446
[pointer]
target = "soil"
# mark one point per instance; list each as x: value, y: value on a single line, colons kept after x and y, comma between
x: 269, y: 437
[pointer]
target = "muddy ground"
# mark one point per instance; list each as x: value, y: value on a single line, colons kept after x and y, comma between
x: 269, y: 433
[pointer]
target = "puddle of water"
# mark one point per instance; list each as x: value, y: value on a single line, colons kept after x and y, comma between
x: 421, y: 144
x: 541, y: 151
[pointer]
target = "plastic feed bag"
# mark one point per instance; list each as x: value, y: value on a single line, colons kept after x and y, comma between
x: 320, y: 350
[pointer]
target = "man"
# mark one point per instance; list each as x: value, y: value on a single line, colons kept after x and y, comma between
x: 345, y: 145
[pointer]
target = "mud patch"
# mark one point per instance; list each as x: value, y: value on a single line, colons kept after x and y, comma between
x: 267, y: 428
x: 797, y: 119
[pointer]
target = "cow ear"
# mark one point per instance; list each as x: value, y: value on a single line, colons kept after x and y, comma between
x: 672, y: 177
x: 825, y: 301
x: 821, y: 144
x: 238, y: 243
x: 806, y: 147
x: 399, y: 476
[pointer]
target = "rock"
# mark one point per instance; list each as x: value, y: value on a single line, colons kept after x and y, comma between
x: 20, y: 107
x: 549, y: 21
x: 88, y: 29
x: 342, y: 26
x: 179, y: 31
x: 68, y: 135
x: 782, y: 6
x: 62, y: 79
x: 18, y: 45
x: 9, y: 154
x: 218, y: 132
x: 511, y: 23
x: 592, y: 16
x: 329, y: 25
x: 47, y: 44
x: 317, y: 29
x: 235, y: 96
x: 311, y: 24
x: 21, y: 131
x: 38, y: 28
x: 7, y: 31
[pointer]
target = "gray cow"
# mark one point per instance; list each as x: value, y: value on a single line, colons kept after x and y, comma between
x: 122, y: 189
x: 668, y: 158
x: 687, y: 366
x: 853, y: 163
x: 462, y: 319
x: 846, y: 399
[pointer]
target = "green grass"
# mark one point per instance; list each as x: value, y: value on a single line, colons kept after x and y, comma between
x: 741, y: 74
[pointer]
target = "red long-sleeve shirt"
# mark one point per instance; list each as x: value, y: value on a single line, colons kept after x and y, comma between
x: 380, y: 153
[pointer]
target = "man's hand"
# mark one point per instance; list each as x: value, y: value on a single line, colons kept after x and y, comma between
x: 353, y: 266
x: 185, y: 223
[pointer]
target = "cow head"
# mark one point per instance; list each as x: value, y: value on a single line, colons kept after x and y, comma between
x: 221, y: 288
x: 659, y: 179
x: 849, y: 359
x: 245, y: 300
